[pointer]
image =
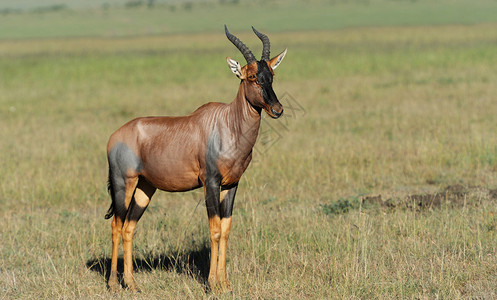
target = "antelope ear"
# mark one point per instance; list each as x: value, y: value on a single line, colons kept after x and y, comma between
x: 235, y: 67
x: 275, y: 61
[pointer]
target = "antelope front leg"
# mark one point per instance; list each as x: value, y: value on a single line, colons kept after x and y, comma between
x: 212, y: 190
x: 227, y: 199
x: 221, y: 266
x: 215, y: 235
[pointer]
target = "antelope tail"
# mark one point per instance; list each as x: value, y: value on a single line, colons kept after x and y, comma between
x: 110, y: 189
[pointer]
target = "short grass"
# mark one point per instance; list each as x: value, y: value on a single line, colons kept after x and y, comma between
x: 390, y: 111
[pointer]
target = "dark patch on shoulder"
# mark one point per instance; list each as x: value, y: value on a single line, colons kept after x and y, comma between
x: 212, y: 155
x: 213, y: 176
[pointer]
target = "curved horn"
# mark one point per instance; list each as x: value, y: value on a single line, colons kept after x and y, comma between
x: 249, y: 57
x: 265, y: 44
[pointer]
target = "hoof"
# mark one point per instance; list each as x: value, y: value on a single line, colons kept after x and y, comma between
x: 113, y: 287
x: 133, y: 289
x: 221, y: 288
x: 226, y: 287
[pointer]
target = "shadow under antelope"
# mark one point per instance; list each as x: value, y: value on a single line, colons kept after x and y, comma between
x: 209, y: 148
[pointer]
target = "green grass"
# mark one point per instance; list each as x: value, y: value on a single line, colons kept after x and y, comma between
x: 381, y: 110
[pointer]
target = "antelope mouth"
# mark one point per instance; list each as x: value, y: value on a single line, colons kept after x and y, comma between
x: 274, y: 114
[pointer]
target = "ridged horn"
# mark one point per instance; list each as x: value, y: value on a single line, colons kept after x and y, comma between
x: 265, y: 44
x: 249, y: 57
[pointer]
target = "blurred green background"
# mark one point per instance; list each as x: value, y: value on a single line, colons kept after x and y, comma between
x: 52, y: 18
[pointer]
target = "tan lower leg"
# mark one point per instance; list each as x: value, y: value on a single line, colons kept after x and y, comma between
x: 128, y: 230
x: 223, y: 244
x: 127, y: 233
x: 117, y: 225
x: 142, y: 199
x: 215, y: 235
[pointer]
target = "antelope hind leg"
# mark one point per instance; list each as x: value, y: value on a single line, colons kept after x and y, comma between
x: 117, y: 225
x: 137, y: 207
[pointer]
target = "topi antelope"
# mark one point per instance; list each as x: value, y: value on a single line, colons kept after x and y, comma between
x: 209, y: 148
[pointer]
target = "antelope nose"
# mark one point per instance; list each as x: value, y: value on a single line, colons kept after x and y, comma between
x: 277, y: 114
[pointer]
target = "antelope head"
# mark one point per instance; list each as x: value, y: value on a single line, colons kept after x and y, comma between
x: 257, y: 76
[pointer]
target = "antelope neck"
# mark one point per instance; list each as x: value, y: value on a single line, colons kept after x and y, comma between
x: 245, y: 118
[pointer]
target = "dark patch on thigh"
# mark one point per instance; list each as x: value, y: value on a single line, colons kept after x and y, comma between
x: 212, y: 155
x: 122, y: 159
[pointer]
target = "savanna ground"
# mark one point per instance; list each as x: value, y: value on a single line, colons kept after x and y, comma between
x: 405, y: 112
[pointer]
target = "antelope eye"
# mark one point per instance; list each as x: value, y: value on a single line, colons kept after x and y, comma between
x: 252, y: 77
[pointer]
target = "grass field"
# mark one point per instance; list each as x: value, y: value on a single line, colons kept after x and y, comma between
x: 397, y: 111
